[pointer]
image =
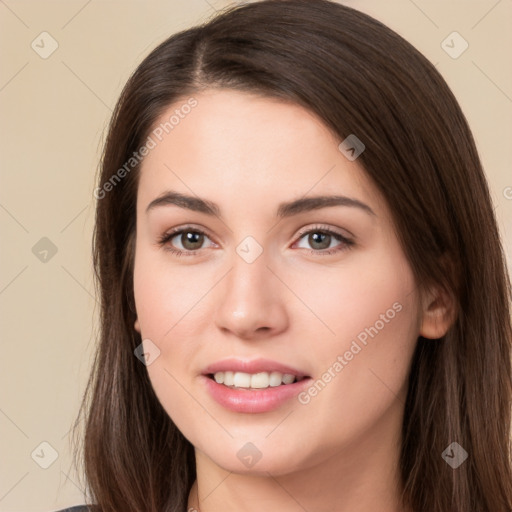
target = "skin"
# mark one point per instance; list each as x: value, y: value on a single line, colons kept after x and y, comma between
x: 340, y: 450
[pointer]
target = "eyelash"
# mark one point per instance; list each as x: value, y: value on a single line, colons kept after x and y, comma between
x: 347, y: 244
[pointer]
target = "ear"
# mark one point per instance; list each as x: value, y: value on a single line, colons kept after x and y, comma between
x: 137, y: 325
x: 438, y: 313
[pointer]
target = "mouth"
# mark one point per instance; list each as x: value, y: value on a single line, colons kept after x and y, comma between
x: 256, y: 391
x: 253, y: 381
x: 253, y: 386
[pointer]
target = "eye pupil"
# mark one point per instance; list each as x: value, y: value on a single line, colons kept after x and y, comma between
x: 313, y: 239
x: 193, y: 238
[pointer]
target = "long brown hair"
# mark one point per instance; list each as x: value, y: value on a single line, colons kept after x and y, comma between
x: 359, y: 77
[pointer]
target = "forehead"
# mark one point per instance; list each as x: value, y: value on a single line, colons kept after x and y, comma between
x: 262, y: 148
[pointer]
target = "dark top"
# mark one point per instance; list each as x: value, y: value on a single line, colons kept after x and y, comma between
x: 77, y: 508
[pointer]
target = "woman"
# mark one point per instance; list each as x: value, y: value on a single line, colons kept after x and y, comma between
x: 305, y: 304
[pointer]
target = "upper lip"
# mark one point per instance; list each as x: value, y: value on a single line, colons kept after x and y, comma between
x: 252, y: 366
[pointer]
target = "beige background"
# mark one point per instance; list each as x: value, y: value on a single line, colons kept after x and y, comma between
x: 53, y: 115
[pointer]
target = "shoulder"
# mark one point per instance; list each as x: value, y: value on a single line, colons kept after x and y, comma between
x: 77, y: 508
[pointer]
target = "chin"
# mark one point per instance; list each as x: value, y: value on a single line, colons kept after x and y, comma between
x: 258, y: 458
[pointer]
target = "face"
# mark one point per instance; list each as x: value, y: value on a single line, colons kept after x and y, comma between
x: 252, y: 279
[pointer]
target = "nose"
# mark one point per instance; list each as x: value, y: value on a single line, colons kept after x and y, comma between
x: 250, y: 300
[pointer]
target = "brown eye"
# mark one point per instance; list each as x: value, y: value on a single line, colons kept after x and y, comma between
x: 190, y: 240
x: 185, y: 241
x: 319, y: 241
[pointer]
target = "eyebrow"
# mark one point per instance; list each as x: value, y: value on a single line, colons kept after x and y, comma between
x: 287, y: 209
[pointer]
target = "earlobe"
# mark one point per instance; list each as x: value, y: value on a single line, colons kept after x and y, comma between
x: 137, y: 325
x: 438, y: 314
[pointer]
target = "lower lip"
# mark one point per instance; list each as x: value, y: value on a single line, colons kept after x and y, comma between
x: 253, y: 400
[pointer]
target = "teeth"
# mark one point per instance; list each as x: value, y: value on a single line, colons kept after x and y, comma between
x: 242, y: 380
x: 254, y: 381
x: 288, y: 379
x: 275, y: 379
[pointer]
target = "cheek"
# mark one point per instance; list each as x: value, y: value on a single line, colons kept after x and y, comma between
x: 166, y: 298
x: 170, y: 304
x: 346, y: 300
x: 363, y: 363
